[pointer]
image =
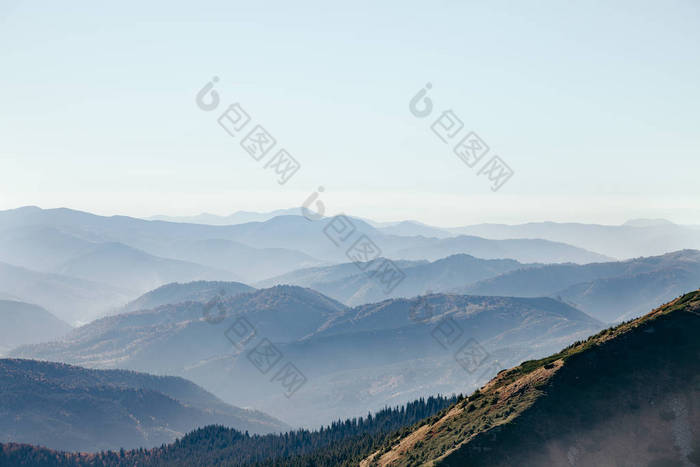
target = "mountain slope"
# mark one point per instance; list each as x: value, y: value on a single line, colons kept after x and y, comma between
x: 138, y: 340
x: 69, y: 298
x: 621, y: 298
x: 626, y: 396
x: 198, y: 291
x: 346, y: 283
x: 39, y: 247
x: 483, y: 316
x: 608, y: 291
x: 73, y: 408
x: 243, y: 260
x: 23, y: 323
x: 523, y: 250
x: 115, y: 263
x: 46, y: 241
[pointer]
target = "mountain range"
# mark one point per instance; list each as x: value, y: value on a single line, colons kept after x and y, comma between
x: 73, y: 408
x: 611, y: 292
x: 634, y: 238
x: 172, y: 298
x: 238, y: 217
x: 293, y: 232
x: 347, y: 283
x: 637, y: 237
x: 352, y: 358
x: 627, y: 395
x: 71, y: 299
x: 124, y: 257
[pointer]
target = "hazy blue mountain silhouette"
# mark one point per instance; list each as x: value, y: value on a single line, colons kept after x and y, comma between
x: 347, y: 283
x: 610, y: 291
x: 24, y: 323
x: 355, y: 359
x: 73, y: 408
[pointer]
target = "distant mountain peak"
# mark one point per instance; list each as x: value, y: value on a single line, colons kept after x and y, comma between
x: 648, y: 223
x: 238, y: 217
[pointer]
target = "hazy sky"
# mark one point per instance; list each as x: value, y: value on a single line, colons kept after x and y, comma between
x: 594, y: 104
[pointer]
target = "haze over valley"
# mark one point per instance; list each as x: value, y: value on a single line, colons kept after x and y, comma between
x: 361, y: 347
x: 374, y: 234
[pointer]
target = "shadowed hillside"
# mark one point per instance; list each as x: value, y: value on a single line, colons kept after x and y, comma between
x: 73, y: 408
x: 626, y: 396
x: 343, y: 442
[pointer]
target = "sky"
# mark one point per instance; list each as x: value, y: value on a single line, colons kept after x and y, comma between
x: 594, y: 105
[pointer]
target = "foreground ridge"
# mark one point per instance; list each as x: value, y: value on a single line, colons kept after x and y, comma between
x: 625, y: 396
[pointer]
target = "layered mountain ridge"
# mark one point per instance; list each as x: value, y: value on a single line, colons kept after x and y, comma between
x: 68, y: 407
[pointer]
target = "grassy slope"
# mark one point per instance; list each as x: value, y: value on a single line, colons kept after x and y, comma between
x: 552, y: 411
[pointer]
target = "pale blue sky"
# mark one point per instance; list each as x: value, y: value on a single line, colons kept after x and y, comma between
x: 594, y: 104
